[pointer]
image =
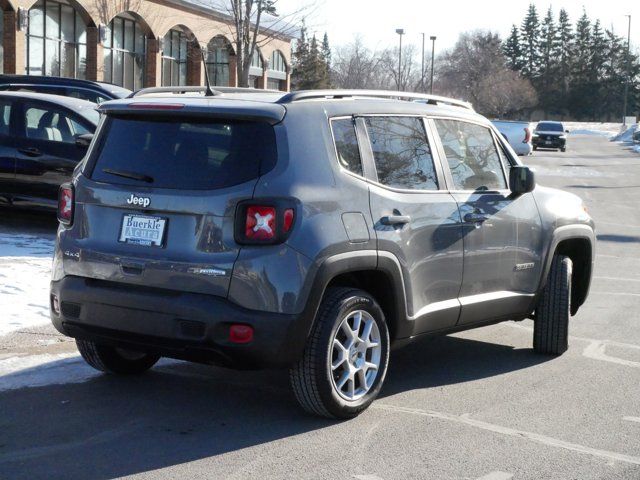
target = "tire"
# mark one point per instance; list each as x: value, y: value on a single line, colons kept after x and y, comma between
x: 563, y: 150
x: 316, y: 377
x: 535, y: 148
x: 551, y: 325
x: 115, y: 360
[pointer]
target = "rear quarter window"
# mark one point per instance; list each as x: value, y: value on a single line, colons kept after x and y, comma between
x: 190, y: 154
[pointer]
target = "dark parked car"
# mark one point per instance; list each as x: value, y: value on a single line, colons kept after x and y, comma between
x: 309, y: 230
x: 42, y: 139
x: 550, y: 135
x: 96, y: 92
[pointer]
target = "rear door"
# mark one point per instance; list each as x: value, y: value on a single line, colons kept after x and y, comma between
x: 156, y: 202
x: 415, y: 218
x: 46, y: 150
x: 502, y: 232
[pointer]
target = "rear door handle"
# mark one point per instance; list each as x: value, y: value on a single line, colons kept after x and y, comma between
x: 395, y: 220
x: 475, y: 217
x: 30, y: 152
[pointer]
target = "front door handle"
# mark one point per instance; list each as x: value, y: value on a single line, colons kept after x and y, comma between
x: 395, y: 220
x: 30, y: 152
x: 475, y: 217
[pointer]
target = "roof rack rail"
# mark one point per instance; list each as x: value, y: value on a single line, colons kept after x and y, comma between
x: 245, y: 90
x: 338, y: 94
x: 176, y: 89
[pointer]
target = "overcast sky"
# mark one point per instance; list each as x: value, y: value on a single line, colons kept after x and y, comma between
x: 377, y: 20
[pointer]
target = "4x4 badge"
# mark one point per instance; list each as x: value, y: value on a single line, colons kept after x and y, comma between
x: 143, y: 201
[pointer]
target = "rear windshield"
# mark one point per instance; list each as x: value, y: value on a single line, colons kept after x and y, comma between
x: 549, y: 127
x: 190, y: 154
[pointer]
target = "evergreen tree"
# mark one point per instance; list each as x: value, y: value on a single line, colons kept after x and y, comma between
x: 548, y: 63
x: 326, y: 50
x: 530, y: 38
x: 562, y: 54
x: 299, y: 59
x: 598, y: 52
x: 512, y: 50
x: 580, y: 87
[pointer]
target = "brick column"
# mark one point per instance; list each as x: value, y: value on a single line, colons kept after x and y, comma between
x: 194, y: 64
x: 233, y: 71
x: 9, y: 40
x: 95, y: 55
x: 153, y: 65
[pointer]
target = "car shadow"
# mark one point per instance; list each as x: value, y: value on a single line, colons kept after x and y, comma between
x: 109, y: 426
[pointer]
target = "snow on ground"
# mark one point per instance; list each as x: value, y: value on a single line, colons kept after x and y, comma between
x: 626, y: 135
x: 25, y: 272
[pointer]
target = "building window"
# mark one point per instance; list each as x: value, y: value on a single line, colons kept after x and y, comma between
x: 124, y: 53
x: 218, y: 52
x: 256, y: 70
x: 174, y: 58
x: 56, y: 40
x: 277, y: 73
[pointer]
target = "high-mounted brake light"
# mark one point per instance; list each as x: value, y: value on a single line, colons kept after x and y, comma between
x: 264, y: 222
x: 65, y: 204
x: 157, y: 106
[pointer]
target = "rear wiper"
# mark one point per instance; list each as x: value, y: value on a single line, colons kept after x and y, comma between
x: 131, y: 175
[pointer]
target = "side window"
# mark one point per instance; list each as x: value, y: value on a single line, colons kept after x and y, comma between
x: 344, y: 134
x: 401, y: 152
x: 50, y: 124
x: 5, y: 116
x: 472, y: 156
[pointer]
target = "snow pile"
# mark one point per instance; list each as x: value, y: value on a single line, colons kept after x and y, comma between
x: 626, y: 135
x: 25, y: 272
x: 593, y: 128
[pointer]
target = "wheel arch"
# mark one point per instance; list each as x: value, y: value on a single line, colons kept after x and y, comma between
x: 380, y: 276
x: 578, y: 243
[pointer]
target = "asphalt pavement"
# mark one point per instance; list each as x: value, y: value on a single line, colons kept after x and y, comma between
x: 475, y: 405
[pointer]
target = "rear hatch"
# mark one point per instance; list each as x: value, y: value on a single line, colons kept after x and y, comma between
x: 156, y: 201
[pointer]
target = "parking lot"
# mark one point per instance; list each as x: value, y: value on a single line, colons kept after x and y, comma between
x: 474, y: 405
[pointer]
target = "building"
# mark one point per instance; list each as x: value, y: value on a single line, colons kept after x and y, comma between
x: 132, y: 43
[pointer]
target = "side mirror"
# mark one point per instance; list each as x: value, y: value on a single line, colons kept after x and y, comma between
x: 521, y: 180
x: 84, y: 140
x: 566, y: 131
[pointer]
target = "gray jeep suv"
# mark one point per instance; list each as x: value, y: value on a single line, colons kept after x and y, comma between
x: 309, y: 230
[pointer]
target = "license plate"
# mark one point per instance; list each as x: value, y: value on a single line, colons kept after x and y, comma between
x: 548, y: 142
x: 143, y: 230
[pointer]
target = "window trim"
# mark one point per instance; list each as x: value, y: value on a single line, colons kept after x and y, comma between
x: 445, y: 162
x: 434, y: 157
x: 26, y: 104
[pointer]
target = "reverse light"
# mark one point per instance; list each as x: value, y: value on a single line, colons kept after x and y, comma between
x: 239, y: 333
x: 65, y: 204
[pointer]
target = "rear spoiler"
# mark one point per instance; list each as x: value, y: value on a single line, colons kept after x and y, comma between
x: 202, y: 107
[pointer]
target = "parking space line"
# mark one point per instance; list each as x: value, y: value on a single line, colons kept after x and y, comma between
x: 512, y: 432
x: 632, y: 419
x: 619, y: 279
x: 497, y: 476
x: 622, y: 294
x: 367, y: 477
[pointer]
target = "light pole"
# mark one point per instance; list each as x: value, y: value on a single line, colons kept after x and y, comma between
x: 626, y: 84
x: 422, y: 69
x: 400, y: 32
x: 433, y: 56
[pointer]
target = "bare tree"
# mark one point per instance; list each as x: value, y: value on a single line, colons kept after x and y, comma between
x: 475, y: 69
x: 355, y: 66
x: 254, y: 24
x: 406, y: 76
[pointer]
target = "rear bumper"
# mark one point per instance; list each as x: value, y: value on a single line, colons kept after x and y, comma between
x: 186, y: 326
